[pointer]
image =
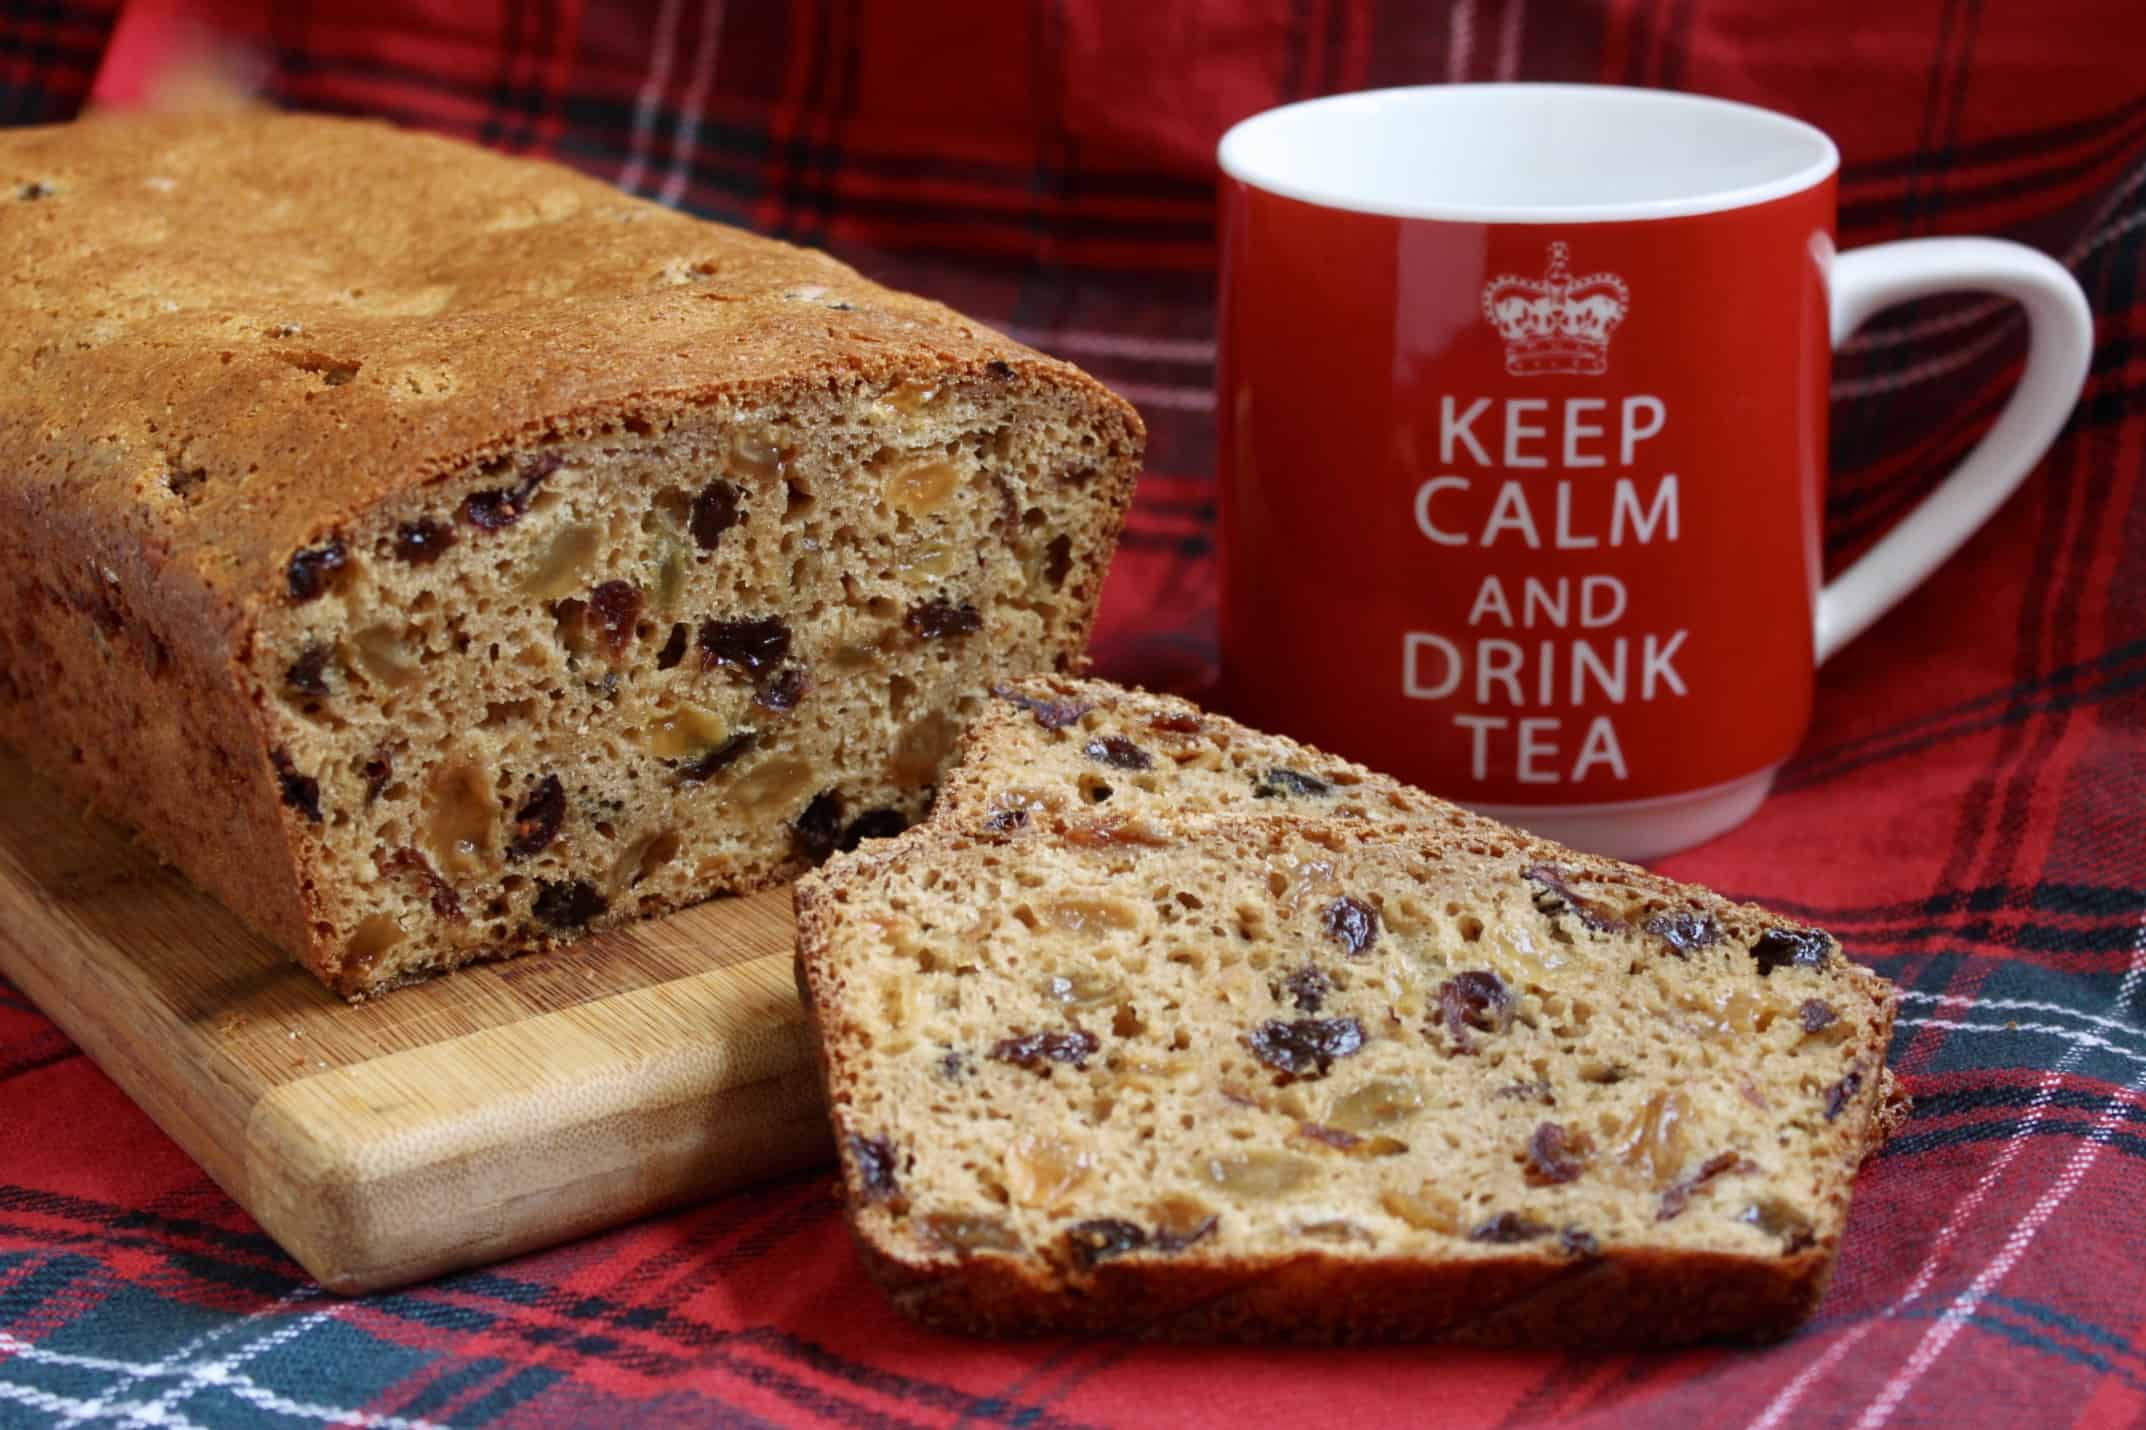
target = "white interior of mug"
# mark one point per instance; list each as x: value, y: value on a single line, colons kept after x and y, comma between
x: 1527, y: 153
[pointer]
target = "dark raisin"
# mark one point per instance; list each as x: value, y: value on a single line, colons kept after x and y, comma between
x: 1536, y: 1091
x: 537, y: 822
x: 1791, y: 948
x: 674, y: 649
x: 1050, y: 714
x: 1305, y: 1047
x: 300, y: 792
x: 715, y: 511
x: 420, y: 542
x: 309, y: 673
x: 952, y: 1064
x: 1678, y: 1196
x: 713, y: 762
x: 378, y: 771
x: 753, y: 646
x: 873, y: 824
x: 614, y: 612
x: 814, y: 832
x: 1032, y: 1050
x: 939, y: 618
x: 1058, y: 561
x: 1475, y: 998
x: 313, y: 570
x: 504, y: 506
x: 1178, y: 724
x: 445, y: 901
x: 1118, y: 752
x: 1816, y: 1015
x: 1778, y: 1218
x: 873, y: 1158
x: 1554, y: 896
x: 1006, y: 821
x: 1555, y: 1155
x: 1331, y: 1136
x: 1101, y: 1239
x: 37, y: 189
x: 1575, y: 1242
x: 567, y: 904
x: 1684, y: 930
x: 1508, y: 1227
x: 1076, y: 474
x: 1308, y: 987
x: 1175, y: 1241
x: 1284, y: 783
x: 999, y: 371
x: 1841, y: 1093
x: 781, y: 691
x: 1352, y: 923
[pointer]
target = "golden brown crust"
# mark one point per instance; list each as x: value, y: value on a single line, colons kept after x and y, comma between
x: 230, y: 335
x: 1628, y: 1298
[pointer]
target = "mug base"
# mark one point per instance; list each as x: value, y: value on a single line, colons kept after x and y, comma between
x: 1642, y: 828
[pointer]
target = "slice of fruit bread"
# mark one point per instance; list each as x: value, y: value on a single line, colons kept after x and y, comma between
x: 1330, y: 1079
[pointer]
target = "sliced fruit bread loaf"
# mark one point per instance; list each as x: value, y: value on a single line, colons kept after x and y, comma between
x: 1063, y: 753
x: 1262, y: 1076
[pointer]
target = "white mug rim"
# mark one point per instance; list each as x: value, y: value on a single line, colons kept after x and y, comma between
x: 1239, y: 158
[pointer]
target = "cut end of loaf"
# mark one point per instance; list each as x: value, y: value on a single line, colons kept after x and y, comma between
x: 692, y: 650
x: 1232, y: 1073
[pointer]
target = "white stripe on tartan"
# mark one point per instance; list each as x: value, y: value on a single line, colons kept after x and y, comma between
x: 219, y: 1372
x: 236, y: 1383
x: 1460, y: 40
x: 1965, y: 1304
x: 651, y: 95
x: 1192, y: 351
x: 1961, y: 1000
x: 711, y: 27
x: 2080, y: 1040
x: 180, y: 1354
x: 57, y: 1405
x: 1509, y: 40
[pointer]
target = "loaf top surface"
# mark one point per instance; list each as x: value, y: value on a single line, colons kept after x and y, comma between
x: 226, y: 333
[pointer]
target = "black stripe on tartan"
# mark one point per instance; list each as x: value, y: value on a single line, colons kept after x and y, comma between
x: 2031, y: 1339
x: 108, y: 1217
x: 2069, y: 1324
x: 1958, y: 1101
x: 39, y: 38
x: 1916, y: 1142
x: 2005, y: 148
x: 1857, y: 508
x: 1860, y: 213
x: 701, y: 1339
x: 56, y: 1050
x: 25, y: 1295
x: 2085, y: 901
x: 2016, y: 712
x: 2111, y: 660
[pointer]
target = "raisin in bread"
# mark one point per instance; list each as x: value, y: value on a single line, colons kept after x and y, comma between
x: 435, y: 555
x: 1334, y: 1080
x: 1067, y: 753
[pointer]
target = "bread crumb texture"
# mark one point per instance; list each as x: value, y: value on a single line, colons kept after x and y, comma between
x: 1166, y: 1026
x: 437, y: 555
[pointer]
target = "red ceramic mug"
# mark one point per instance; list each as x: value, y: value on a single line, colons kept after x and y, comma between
x: 1523, y: 429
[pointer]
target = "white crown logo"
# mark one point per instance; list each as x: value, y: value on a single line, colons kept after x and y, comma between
x: 1556, y: 323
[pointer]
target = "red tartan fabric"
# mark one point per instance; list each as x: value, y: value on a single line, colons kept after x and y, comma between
x: 1966, y: 814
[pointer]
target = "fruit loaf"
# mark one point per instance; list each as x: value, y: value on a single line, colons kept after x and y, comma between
x: 1333, y: 1079
x: 435, y: 555
x: 1060, y: 752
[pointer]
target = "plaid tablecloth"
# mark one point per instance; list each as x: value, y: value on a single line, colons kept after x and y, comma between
x: 1969, y: 813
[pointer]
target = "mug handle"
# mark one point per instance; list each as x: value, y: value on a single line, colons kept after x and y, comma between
x: 2060, y: 345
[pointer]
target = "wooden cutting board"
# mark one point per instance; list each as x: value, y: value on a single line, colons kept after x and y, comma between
x: 450, y: 1124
